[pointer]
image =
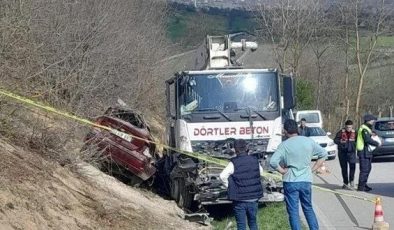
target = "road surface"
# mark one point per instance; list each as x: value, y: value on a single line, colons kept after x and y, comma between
x: 338, y: 212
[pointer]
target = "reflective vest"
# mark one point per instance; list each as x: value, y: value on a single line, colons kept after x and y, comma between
x: 360, y: 140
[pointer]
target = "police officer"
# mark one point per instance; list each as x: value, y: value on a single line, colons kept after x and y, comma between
x: 364, y: 139
x: 346, y: 141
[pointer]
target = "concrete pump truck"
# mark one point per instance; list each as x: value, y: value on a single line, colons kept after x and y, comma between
x: 214, y: 104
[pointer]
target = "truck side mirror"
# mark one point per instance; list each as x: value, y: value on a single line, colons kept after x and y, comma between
x: 289, y: 92
x: 169, y: 91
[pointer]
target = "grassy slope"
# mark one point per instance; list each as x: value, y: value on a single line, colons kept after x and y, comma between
x: 180, y: 23
x: 270, y: 217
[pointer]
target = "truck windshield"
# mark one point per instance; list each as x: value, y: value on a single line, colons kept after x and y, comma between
x: 229, y: 92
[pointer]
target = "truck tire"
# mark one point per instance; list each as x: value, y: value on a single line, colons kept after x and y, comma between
x: 174, y: 189
x: 186, y: 197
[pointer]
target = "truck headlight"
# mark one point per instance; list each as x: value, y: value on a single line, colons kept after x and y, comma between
x: 331, y: 143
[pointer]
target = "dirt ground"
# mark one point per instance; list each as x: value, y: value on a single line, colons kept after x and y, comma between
x: 36, y: 193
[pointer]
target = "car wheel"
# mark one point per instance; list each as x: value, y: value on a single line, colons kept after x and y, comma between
x: 175, y: 189
x: 185, y: 196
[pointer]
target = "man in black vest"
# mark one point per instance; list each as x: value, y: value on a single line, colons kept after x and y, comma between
x: 242, y: 177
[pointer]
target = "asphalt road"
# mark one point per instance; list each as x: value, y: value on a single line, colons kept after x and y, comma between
x: 339, y: 212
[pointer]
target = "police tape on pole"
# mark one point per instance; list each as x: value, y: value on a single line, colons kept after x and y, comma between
x: 129, y: 137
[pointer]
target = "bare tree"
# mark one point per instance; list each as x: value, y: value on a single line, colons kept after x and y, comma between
x: 367, y: 25
x: 320, y: 43
x: 286, y: 25
x: 80, y: 56
x: 88, y: 53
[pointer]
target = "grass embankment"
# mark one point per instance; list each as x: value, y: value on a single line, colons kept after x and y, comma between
x: 183, y: 23
x: 272, y: 216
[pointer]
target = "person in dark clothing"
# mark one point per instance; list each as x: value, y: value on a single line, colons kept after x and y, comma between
x: 346, y: 141
x: 364, y: 139
x: 303, y: 130
x: 242, y: 177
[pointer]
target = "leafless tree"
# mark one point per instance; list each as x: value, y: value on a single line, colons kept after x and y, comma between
x: 80, y: 56
x: 286, y: 25
x: 366, y: 26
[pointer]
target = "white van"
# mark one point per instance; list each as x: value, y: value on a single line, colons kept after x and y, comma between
x: 312, y: 117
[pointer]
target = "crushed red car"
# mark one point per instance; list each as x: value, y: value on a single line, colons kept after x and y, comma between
x: 121, y: 146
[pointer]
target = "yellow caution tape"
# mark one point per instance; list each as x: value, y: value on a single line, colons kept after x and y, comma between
x: 114, y: 131
x: 343, y: 194
x: 126, y: 136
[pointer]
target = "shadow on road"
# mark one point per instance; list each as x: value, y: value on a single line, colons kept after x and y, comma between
x: 349, y: 213
x: 383, y: 159
x: 382, y: 189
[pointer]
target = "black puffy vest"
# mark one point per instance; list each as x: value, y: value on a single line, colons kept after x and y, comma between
x: 245, y: 182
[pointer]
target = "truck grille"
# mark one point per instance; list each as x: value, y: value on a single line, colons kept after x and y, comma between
x: 225, y: 148
x: 323, y: 145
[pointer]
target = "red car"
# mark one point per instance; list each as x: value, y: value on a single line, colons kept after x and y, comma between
x: 120, y: 146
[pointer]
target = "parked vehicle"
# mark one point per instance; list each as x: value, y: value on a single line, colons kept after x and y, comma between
x: 384, y: 128
x: 312, y: 117
x: 323, y: 139
x: 129, y: 154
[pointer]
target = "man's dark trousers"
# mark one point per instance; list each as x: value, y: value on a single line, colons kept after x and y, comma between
x: 243, y: 210
x: 365, y: 169
x: 347, y: 159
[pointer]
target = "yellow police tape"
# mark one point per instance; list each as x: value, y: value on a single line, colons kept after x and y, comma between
x: 199, y: 156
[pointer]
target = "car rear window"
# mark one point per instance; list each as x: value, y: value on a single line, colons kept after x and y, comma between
x: 384, y: 125
x: 310, y: 117
x: 127, y: 116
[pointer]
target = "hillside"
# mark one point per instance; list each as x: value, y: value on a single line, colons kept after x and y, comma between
x: 36, y: 193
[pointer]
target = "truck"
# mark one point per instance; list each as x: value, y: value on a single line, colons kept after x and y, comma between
x: 210, y: 106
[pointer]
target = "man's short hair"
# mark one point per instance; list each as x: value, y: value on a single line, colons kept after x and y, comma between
x: 290, y: 126
x: 303, y: 119
x: 349, y: 122
x: 240, y: 145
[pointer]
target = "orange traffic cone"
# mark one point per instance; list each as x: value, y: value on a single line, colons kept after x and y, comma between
x: 379, y: 223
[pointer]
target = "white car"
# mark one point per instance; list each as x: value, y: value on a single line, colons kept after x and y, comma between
x: 323, y: 139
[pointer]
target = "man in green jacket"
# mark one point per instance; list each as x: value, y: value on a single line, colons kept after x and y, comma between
x: 364, y: 139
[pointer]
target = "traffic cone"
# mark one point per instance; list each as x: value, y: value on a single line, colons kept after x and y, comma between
x: 379, y: 223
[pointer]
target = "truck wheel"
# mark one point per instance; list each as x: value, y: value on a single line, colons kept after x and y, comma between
x: 175, y: 189
x: 185, y: 196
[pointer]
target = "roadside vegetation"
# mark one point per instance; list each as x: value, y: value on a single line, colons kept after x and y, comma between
x: 271, y: 216
x: 81, y: 56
